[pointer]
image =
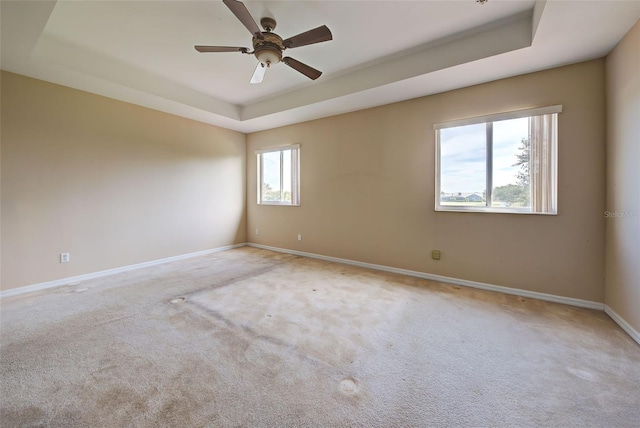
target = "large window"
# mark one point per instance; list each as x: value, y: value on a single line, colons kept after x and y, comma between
x: 279, y: 175
x: 500, y: 163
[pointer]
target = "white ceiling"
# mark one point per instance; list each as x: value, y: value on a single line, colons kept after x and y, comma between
x: 382, y: 51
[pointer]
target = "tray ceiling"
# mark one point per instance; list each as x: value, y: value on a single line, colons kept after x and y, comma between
x: 382, y: 51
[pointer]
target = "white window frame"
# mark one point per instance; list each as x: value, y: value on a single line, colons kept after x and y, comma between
x: 489, y: 119
x: 295, y: 175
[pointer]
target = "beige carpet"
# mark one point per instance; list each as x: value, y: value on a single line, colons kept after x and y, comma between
x: 254, y: 338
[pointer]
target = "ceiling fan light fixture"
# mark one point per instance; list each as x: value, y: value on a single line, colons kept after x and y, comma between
x: 268, y: 56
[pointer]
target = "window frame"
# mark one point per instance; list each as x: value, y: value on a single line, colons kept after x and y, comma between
x: 295, y: 175
x: 489, y: 119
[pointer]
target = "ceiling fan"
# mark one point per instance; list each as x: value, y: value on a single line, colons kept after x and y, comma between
x: 268, y: 46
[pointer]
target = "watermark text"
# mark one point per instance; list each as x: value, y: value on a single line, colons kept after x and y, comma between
x: 622, y: 214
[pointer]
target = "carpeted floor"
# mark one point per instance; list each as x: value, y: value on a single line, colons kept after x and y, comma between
x: 249, y: 337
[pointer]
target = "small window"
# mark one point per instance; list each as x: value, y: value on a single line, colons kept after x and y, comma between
x: 279, y: 175
x: 500, y: 163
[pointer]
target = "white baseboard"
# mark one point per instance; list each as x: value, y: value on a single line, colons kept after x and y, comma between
x: 466, y: 283
x: 93, y: 275
x: 635, y: 335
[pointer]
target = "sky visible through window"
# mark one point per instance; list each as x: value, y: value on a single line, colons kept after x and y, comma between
x: 463, y: 155
x: 271, y: 173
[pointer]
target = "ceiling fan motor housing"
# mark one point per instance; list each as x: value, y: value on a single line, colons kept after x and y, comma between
x: 269, y: 49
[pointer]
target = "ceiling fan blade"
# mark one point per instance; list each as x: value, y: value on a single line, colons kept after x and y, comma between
x: 240, y: 11
x: 310, y: 72
x: 258, y: 75
x: 203, y: 49
x: 317, y: 35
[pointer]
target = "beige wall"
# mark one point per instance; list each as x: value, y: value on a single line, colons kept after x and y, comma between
x: 367, y: 189
x: 112, y: 183
x: 623, y: 178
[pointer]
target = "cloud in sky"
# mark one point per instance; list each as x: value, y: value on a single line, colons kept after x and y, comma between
x: 463, y: 155
x: 271, y: 169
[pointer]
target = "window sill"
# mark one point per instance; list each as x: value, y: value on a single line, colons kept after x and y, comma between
x: 277, y: 204
x: 489, y: 210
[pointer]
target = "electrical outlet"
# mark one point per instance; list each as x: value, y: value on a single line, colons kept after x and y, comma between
x: 257, y: 231
x: 435, y: 254
x: 299, y: 237
x: 64, y: 258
